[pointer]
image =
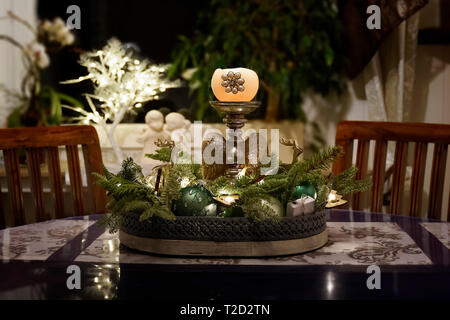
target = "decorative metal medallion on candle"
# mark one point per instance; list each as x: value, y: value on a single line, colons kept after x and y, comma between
x: 236, y: 84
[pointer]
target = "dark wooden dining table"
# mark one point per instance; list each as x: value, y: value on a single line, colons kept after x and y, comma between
x: 413, y: 256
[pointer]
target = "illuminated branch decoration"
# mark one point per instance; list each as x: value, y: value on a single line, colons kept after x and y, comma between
x: 121, y: 84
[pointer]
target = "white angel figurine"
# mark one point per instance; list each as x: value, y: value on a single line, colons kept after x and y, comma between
x: 155, y: 130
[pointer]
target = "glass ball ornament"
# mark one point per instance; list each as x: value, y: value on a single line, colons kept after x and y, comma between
x: 304, y: 188
x: 194, y: 201
x: 274, y: 204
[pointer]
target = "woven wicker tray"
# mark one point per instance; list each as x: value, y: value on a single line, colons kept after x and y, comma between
x: 209, y: 236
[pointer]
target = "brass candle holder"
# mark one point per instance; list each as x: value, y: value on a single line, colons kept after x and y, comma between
x: 235, y: 112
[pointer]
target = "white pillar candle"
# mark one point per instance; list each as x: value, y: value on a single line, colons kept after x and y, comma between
x: 235, y: 84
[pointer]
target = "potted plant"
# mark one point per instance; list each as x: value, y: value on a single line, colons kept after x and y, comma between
x: 37, y: 104
x: 294, y: 46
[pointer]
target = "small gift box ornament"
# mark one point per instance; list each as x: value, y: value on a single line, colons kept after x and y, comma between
x: 308, y: 204
x: 294, y: 208
x: 304, y: 205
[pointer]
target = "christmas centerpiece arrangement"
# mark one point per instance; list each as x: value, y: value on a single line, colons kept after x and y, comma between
x: 231, y: 197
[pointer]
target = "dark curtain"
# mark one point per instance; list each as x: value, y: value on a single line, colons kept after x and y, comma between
x: 362, y: 43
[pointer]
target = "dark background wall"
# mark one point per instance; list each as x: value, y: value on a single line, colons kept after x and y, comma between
x: 151, y: 25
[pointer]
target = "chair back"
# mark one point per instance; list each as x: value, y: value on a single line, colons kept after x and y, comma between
x: 421, y: 136
x: 38, y: 144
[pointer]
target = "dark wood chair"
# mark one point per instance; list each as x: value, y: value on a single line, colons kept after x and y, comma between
x: 38, y: 142
x: 421, y: 134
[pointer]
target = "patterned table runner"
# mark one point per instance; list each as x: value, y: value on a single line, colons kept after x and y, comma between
x: 350, y: 243
x: 440, y: 230
x: 40, y: 240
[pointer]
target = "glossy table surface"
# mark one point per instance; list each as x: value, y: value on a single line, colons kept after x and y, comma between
x: 413, y: 256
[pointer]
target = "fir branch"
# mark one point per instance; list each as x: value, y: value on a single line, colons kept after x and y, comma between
x: 241, y: 183
x: 272, y: 185
x: 220, y: 185
x: 157, y: 211
x: 162, y: 154
x: 129, y: 193
x: 322, y: 197
x: 310, y: 169
x: 176, y: 175
x: 345, y: 184
x: 119, y: 188
x: 108, y: 174
x: 130, y: 170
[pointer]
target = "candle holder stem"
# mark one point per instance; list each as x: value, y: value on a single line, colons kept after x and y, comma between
x: 235, y: 112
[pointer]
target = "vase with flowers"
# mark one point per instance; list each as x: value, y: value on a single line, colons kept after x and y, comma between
x: 37, y: 103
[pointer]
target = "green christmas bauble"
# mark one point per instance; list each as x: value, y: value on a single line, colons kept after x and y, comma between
x: 304, y: 188
x: 194, y: 201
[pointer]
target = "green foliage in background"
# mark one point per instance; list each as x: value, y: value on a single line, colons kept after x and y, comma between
x: 294, y: 46
x: 43, y: 109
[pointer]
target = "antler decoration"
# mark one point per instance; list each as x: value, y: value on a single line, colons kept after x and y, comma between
x: 164, y: 143
x: 297, y: 150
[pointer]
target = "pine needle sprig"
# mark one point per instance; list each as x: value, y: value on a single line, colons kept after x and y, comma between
x: 272, y: 185
x: 129, y: 193
x: 162, y: 154
x: 180, y: 175
x: 130, y: 171
x: 345, y: 184
x: 322, y: 196
x: 310, y: 170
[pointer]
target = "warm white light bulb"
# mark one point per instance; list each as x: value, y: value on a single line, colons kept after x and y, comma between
x: 184, y: 183
x: 229, y: 199
x: 331, y: 197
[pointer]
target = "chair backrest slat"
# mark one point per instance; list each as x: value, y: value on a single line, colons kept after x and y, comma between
x: 91, y: 156
x: 437, y: 180
x: 417, y: 177
x: 362, y: 158
x: 2, y: 213
x: 54, y: 169
x: 37, y: 141
x: 34, y: 156
x: 345, y: 161
x: 421, y: 134
x: 398, y: 176
x: 76, y: 186
x: 448, y: 208
x: 379, y: 165
x: 14, y: 185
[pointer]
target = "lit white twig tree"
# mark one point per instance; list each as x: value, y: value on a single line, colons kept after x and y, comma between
x: 121, y: 84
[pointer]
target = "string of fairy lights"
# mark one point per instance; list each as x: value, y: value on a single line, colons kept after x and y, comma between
x: 121, y: 83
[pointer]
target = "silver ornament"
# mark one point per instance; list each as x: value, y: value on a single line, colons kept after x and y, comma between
x: 232, y: 82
